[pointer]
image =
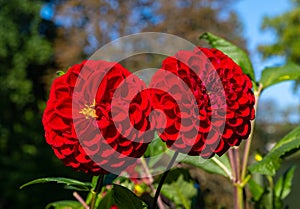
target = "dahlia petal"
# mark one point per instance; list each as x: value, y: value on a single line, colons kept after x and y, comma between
x: 82, y: 158
x: 228, y: 133
x: 64, y: 108
x: 233, y: 141
x: 127, y: 150
x: 221, y: 148
x: 234, y: 122
x: 244, y: 129
x: 67, y: 150
x: 56, y: 123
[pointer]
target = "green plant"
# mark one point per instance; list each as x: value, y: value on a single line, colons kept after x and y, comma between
x: 108, y: 191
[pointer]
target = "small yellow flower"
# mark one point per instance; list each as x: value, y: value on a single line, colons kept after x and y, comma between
x: 139, y: 190
x: 258, y: 157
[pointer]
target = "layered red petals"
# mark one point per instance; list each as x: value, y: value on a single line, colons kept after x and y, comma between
x: 223, y: 96
x: 79, y: 123
x: 97, y: 118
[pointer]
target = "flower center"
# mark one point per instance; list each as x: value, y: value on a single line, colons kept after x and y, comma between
x: 89, y: 111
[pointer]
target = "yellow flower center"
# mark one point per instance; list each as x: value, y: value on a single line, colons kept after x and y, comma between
x: 89, y: 111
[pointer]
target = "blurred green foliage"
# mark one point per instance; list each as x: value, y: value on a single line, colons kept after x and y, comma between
x: 286, y: 28
x: 287, y: 32
x: 25, y: 53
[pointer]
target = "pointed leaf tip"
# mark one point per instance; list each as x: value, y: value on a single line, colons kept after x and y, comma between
x: 238, y: 55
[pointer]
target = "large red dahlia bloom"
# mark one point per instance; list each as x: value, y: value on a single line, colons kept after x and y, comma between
x: 83, y: 128
x: 206, y: 100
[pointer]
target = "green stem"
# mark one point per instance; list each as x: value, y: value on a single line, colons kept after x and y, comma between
x: 163, y: 178
x: 238, y: 197
x: 239, y: 170
x: 97, y: 190
x: 234, y: 158
x: 249, y: 140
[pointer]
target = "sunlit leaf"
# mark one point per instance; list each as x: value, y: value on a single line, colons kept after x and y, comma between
x: 284, y: 183
x: 60, y: 73
x: 180, y: 191
x: 77, y: 188
x: 266, y: 200
x: 274, y: 75
x: 218, y: 165
x: 256, y: 190
x: 156, y: 147
x: 238, y: 55
x: 66, y: 181
x: 64, y: 204
x: 271, y: 162
x: 155, y: 152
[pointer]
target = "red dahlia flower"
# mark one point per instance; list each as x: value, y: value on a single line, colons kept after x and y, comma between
x: 82, y: 126
x: 207, y: 102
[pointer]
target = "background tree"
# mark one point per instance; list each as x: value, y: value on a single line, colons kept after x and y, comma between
x: 88, y: 25
x: 286, y: 29
x: 25, y: 53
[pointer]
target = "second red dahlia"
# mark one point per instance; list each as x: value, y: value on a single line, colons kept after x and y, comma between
x: 207, y: 102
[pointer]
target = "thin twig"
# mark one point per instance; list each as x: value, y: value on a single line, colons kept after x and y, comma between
x: 236, y: 157
x: 232, y: 164
x: 80, y: 199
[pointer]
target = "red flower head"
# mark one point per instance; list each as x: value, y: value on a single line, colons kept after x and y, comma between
x: 206, y: 100
x: 86, y: 120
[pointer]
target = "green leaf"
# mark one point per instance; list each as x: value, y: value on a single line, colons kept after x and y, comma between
x: 266, y: 200
x: 125, y: 199
x: 155, y: 152
x: 66, y: 181
x: 107, y: 201
x: 218, y: 165
x: 180, y: 190
x: 238, y: 55
x: 274, y: 75
x: 255, y: 189
x: 284, y: 183
x: 60, y: 73
x: 271, y: 162
x: 156, y: 147
x: 64, y: 204
x: 77, y: 188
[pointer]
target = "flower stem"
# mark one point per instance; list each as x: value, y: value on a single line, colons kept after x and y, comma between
x: 249, y: 140
x: 239, y: 169
x: 234, y: 158
x: 163, y: 178
x: 148, y: 173
x: 97, y: 190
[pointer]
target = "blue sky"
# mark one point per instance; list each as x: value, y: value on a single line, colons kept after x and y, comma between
x: 251, y: 13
